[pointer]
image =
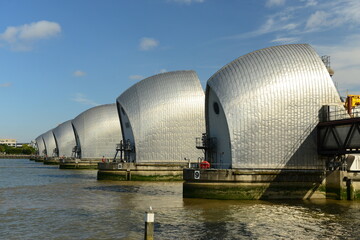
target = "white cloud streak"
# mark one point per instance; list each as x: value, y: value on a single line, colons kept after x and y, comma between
x: 4, y: 85
x: 22, y: 38
x: 81, y: 98
x: 147, y: 44
x: 188, y: 2
x: 79, y: 73
x: 286, y: 40
x: 136, y: 77
x: 273, y: 3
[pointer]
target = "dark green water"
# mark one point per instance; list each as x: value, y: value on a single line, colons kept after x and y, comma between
x: 43, y: 202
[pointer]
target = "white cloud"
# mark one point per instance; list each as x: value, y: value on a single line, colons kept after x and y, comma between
x: 345, y: 60
x: 187, y: 1
x: 79, y: 73
x: 311, y: 3
x: 8, y: 84
x: 22, y: 38
x: 136, y: 77
x: 81, y: 98
x: 343, y: 13
x: 148, y: 43
x: 286, y: 40
x: 308, y: 16
x: 272, y: 3
x: 318, y: 19
x: 163, y: 70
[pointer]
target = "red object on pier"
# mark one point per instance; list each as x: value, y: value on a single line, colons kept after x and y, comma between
x: 204, y: 165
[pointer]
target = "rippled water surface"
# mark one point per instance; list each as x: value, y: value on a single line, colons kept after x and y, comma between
x: 43, y: 202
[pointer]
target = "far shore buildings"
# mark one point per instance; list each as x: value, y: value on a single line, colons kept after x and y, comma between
x: 8, y: 142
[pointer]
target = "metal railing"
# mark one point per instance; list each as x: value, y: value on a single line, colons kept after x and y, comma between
x: 332, y: 113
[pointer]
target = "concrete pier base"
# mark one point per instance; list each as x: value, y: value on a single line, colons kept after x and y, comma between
x: 51, y: 161
x: 284, y: 184
x: 140, y: 171
x: 251, y: 184
x: 343, y: 185
x: 39, y: 159
x: 79, y: 164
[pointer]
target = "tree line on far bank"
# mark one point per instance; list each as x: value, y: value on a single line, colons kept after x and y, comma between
x: 24, y: 149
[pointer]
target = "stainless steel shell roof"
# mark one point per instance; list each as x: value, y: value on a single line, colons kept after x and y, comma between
x: 165, y: 113
x: 270, y: 100
x: 98, y: 131
x: 65, y: 138
x: 40, y: 145
x: 50, y: 144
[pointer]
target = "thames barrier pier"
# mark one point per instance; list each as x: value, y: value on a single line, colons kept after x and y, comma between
x: 160, y: 117
x: 253, y: 184
x: 264, y: 118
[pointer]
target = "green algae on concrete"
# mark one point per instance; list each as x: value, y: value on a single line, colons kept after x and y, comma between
x: 52, y: 161
x: 222, y: 191
x: 78, y: 166
x: 125, y: 171
x: 110, y: 175
x: 255, y: 191
x: 134, y: 175
x: 253, y: 184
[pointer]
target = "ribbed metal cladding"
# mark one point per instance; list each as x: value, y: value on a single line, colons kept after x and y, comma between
x: 40, y: 145
x: 50, y: 144
x: 270, y: 100
x: 65, y: 138
x: 165, y: 113
x: 98, y: 129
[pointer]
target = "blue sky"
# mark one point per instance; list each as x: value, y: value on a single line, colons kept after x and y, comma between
x: 58, y: 58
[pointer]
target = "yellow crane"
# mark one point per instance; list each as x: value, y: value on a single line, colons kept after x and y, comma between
x: 351, y: 102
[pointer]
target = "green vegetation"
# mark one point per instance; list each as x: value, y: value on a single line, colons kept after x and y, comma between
x: 25, y: 149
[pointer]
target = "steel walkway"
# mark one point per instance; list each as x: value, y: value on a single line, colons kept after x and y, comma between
x: 339, y: 137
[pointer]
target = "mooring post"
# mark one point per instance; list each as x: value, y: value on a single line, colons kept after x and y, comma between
x: 349, y: 189
x: 149, y: 225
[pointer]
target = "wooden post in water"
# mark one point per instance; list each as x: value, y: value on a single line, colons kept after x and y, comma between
x: 149, y: 225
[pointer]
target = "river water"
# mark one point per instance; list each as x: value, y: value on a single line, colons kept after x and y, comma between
x: 44, y: 202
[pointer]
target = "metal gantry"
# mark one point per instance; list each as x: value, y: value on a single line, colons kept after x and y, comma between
x: 339, y: 137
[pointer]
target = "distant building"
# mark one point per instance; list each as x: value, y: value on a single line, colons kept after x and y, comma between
x: 8, y: 142
x: 161, y: 116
